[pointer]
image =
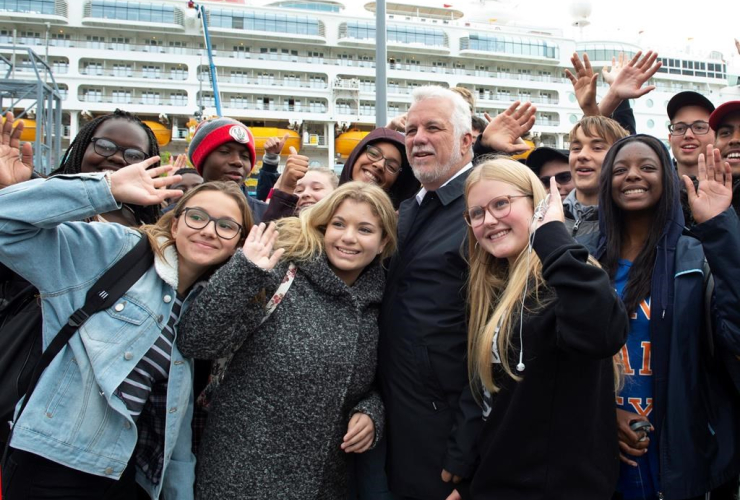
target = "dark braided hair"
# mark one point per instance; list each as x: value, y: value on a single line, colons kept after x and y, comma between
x: 72, y: 160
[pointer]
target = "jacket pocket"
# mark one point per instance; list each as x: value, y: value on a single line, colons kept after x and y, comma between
x: 111, y: 324
x: 429, y: 386
x: 59, y: 393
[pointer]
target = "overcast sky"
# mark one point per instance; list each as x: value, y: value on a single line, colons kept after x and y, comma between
x: 712, y: 24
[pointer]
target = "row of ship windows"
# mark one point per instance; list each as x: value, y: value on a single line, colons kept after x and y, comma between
x: 97, y: 42
x: 290, y: 24
x: 259, y: 103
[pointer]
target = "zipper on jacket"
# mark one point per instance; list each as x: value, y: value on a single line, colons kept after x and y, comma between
x: 575, y: 226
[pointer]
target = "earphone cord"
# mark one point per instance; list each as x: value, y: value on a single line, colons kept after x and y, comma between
x: 538, y: 215
x: 520, y: 367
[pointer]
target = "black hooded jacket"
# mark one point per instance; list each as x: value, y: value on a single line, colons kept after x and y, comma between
x: 696, y: 405
x: 283, y: 204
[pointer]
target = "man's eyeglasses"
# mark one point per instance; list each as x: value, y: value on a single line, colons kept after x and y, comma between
x: 106, y: 147
x: 499, y: 207
x: 561, y: 178
x: 699, y: 127
x: 375, y: 154
x: 197, y: 218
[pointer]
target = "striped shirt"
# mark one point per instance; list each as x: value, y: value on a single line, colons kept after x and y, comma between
x: 152, y: 369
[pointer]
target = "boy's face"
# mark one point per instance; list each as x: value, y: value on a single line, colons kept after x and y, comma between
x: 228, y: 162
x: 585, y: 160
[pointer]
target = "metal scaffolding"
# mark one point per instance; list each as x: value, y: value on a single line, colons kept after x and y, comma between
x: 28, y: 89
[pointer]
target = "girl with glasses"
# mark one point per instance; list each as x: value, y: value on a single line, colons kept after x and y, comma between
x: 679, y: 361
x: 297, y: 398
x: 544, y: 326
x: 108, y: 143
x: 114, y: 407
x: 379, y: 159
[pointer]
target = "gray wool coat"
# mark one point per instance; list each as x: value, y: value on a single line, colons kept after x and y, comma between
x: 277, y: 421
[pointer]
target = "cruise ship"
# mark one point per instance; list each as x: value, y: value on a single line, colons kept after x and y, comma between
x: 307, y: 67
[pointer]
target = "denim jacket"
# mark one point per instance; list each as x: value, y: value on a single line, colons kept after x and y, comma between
x: 74, y: 416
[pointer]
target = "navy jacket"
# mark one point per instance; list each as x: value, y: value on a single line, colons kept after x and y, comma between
x: 432, y: 418
x: 696, y: 404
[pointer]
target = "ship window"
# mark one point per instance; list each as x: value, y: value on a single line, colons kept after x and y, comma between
x: 255, y: 21
x: 511, y: 45
x: 315, y: 6
x: 430, y: 37
x: 134, y: 11
x: 28, y: 6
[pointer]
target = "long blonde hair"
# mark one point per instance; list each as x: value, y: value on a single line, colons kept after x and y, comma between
x: 163, y: 227
x: 302, y: 237
x: 495, y: 288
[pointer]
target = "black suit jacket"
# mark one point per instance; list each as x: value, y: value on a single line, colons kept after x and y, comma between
x: 432, y: 418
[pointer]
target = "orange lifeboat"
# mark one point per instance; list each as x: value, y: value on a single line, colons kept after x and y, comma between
x: 346, y: 142
x: 161, y: 132
x: 261, y: 134
x: 524, y: 155
x: 29, y: 129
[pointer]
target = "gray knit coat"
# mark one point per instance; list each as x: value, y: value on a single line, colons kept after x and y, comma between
x: 277, y: 421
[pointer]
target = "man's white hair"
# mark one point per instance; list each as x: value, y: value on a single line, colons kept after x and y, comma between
x: 460, y: 118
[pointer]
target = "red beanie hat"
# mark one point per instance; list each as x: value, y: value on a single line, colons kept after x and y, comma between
x: 211, y: 134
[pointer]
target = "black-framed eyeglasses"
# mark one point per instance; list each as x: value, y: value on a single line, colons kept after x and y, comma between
x: 561, y: 178
x: 197, y: 218
x: 699, y: 127
x: 106, y: 147
x: 499, y: 207
x: 375, y: 154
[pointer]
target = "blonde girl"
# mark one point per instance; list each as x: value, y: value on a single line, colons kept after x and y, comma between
x: 544, y: 325
x: 298, y: 396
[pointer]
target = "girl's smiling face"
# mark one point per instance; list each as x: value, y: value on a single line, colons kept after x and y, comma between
x: 353, y: 239
x: 507, y: 236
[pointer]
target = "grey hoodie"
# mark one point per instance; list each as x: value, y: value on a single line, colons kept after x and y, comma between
x: 580, y: 219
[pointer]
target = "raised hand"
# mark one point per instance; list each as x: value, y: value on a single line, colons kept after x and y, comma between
x: 584, y: 84
x: 611, y: 73
x: 258, y: 247
x: 16, y: 161
x: 714, y: 194
x: 295, y: 168
x: 136, y: 185
x: 275, y: 145
x: 554, y: 210
x: 629, y: 80
x: 398, y: 123
x: 504, y: 132
x: 177, y: 163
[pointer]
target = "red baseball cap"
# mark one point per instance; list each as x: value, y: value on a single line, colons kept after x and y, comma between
x: 719, y: 114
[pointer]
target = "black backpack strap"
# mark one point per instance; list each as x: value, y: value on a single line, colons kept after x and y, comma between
x: 108, y: 289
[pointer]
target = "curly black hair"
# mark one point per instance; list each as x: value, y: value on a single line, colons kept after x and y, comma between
x: 72, y: 160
